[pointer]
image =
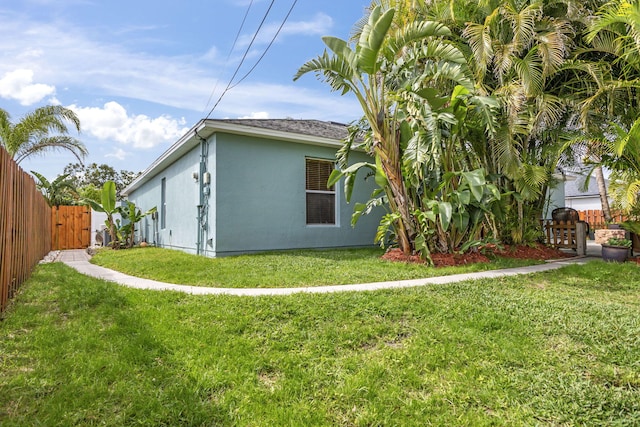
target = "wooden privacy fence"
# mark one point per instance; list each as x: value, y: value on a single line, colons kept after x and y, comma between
x: 25, y: 227
x: 596, y: 218
x: 70, y: 227
x: 569, y: 235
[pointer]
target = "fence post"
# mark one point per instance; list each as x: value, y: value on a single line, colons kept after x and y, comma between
x: 581, y: 238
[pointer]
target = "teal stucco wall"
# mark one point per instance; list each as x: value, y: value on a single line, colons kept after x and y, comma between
x: 256, y: 201
x: 180, y: 231
x: 261, y: 197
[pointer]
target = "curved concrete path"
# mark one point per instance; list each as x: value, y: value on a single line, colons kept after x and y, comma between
x: 79, y: 260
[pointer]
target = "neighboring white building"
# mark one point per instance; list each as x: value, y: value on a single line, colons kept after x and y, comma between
x: 583, y: 200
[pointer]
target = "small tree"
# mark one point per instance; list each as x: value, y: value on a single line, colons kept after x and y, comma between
x: 131, y: 215
x: 121, y: 233
x: 89, y: 177
x: 108, y: 206
x: 58, y: 192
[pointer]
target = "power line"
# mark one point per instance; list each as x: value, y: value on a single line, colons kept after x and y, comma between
x: 233, y: 46
x: 268, y: 46
x: 264, y: 18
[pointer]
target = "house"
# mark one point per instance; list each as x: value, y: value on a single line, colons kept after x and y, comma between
x: 580, y: 200
x: 239, y: 186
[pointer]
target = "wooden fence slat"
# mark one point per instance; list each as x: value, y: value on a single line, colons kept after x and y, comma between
x: 25, y: 227
x: 596, y: 220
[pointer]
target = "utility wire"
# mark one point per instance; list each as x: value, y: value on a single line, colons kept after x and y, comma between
x: 268, y: 46
x: 233, y: 46
x: 264, y: 18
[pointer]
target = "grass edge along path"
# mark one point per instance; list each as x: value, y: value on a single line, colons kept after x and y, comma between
x: 557, y: 348
x: 285, y: 269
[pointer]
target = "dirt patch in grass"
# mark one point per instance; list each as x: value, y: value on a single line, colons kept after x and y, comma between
x: 538, y: 252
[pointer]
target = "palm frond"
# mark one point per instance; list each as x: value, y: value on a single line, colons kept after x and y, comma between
x: 5, y: 128
x: 503, y: 60
x: 334, y: 70
x: 612, y: 17
x: 413, y: 33
x: 529, y: 71
x: 505, y: 148
x: 523, y: 24
x: 479, y: 38
x: 59, y: 142
x: 553, y: 44
x: 530, y: 180
x: 549, y: 112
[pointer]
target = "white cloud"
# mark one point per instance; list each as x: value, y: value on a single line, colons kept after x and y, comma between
x: 257, y: 115
x: 119, y: 154
x: 68, y: 58
x: 289, y: 101
x: 77, y: 64
x: 319, y: 25
x: 18, y: 85
x: 112, y: 123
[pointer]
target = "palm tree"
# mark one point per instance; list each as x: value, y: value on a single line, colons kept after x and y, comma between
x: 367, y: 72
x: 57, y: 192
x: 609, y: 102
x: 625, y: 164
x: 40, y: 131
x: 520, y: 53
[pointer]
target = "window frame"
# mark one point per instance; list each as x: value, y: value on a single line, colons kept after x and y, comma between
x: 334, y: 193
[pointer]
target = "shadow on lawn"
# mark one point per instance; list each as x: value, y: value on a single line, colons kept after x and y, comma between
x: 98, y: 356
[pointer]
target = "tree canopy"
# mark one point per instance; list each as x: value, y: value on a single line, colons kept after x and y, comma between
x: 90, y: 179
x: 468, y: 108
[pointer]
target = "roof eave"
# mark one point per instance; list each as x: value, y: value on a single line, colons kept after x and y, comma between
x: 205, y: 129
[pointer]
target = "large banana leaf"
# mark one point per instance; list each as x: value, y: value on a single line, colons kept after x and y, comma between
x: 371, y: 39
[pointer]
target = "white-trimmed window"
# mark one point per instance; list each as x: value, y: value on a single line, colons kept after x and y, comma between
x: 321, y: 201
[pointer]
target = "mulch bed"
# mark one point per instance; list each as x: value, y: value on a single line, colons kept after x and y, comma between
x: 537, y: 252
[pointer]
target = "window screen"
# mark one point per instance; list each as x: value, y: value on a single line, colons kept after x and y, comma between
x: 321, y: 201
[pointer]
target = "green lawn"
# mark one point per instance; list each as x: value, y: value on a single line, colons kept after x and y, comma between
x: 556, y: 348
x: 277, y: 269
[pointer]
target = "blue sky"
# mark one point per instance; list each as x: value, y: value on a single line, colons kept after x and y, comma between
x: 140, y: 73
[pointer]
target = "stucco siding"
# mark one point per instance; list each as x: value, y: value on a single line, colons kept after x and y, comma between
x: 554, y: 199
x: 261, y: 198
x: 180, y: 231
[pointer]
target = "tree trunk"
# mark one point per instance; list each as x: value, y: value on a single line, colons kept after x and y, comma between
x: 602, y: 190
x: 405, y: 229
x: 388, y: 152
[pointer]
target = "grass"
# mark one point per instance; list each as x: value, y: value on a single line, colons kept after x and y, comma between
x: 277, y: 269
x: 555, y: 348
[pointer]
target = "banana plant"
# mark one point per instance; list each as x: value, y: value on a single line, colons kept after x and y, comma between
x: 121, y: 232
x: 109, y: 207
x: 456, y: 213
x: 131, y: 215
x: 363, y: 70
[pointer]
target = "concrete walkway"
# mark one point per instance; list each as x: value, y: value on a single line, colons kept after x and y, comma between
x: 79, y: 260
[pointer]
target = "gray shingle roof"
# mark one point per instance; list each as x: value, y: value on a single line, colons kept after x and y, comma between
x: 332, y: 130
